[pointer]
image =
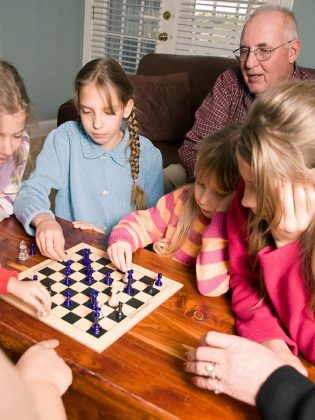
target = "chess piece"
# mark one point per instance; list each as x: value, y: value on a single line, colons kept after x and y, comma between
x: 119, y: 313
x: 32, y: 249
x: 113, y: 300
x: 128, y: 289
x: 23, y: 255
x: 151, y: 289
x: 108, y: 280
x: 68, y: 302
x: 35, y: 277
x: 96, y: 328
x: 159, y: 281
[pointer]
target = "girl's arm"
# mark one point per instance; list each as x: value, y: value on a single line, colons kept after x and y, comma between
x: 51, y: 172
x: 144, y: 227
x: 212, y: 261
x: 8, y: 195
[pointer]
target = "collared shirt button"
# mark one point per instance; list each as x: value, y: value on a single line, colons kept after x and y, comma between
x: 105, y: 192
x: 104, y: 157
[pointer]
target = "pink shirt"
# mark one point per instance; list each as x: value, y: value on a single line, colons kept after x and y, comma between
x: 285, y: 314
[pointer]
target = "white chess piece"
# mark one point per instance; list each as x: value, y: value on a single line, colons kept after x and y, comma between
x: 113, y: 301
x: 23, y: 255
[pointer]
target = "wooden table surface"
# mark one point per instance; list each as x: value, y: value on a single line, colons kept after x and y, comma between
x: 141, y: 375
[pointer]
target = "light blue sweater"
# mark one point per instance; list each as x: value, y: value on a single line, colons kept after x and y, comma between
x: 92, y: 184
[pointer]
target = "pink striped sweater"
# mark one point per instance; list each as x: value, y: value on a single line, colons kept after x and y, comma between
x: 206, y: 246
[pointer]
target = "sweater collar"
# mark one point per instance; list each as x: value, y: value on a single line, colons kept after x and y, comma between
x: 118, y: 154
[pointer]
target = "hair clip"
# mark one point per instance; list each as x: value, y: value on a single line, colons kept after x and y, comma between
x: 136, y: 181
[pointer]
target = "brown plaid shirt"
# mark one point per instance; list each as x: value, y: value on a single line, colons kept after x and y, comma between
x: 227, y: 103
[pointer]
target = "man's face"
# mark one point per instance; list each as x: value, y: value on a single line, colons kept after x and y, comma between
x: 267, y: 30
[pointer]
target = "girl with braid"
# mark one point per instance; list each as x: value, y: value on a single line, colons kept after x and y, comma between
x: 100, y: 167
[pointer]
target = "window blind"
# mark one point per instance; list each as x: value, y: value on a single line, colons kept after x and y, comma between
x: 211, y: 27
x: 124, y: 30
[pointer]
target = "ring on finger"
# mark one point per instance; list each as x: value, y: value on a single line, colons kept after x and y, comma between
x: 210, y: 368
x: 216, y: 388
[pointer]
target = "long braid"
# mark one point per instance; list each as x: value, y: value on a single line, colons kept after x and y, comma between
x: 138, y: 197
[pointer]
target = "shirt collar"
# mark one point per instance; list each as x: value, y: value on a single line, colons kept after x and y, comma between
x: 118, y: 154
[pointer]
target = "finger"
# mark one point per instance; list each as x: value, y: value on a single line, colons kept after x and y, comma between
x: 300, y: 205
x: 59, y: 246
x: 97, y: 229
x: 207, y: 369
x: 208, y: 383
x: 49, y: 344
x: 205, y: 354
x: 216, y: 339
x: 310, y: 199
x: 287, y: 202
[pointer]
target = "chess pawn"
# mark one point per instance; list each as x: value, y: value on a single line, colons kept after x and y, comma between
x: 113, y: 301
x: 23, y: 255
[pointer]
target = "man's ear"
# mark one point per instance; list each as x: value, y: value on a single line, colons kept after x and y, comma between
x: 128, y: 108
x: 294, y: 50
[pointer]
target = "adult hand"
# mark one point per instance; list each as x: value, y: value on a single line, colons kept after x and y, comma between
x: 280, y: 348
x: 120, y: 255
x: 232, y: 365
x: 41, y: 366
x: 298, y: 210
x: 49, y: 237
x: 78, y: 224
x: 33, y: 293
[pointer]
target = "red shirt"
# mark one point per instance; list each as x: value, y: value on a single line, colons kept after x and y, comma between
x: 227, y: 103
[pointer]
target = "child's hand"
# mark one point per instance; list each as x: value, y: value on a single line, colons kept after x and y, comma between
x: 49, y: 237
x: 31, y: 292
x: 86, y: 226
x: 298, y: 210
x: 120, y: 255
x: 225, y: 203
x: 41, y: 365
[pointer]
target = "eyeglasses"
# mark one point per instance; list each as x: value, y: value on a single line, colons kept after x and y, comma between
x: 261, y: 53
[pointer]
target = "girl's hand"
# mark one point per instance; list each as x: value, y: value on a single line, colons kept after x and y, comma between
x: 298, y: 210
x: 31, y: 292
x: 225, y: 203
x: 41, y: 366
x: 120, y: 255
x: 49, y: 237
x: 86, y: 226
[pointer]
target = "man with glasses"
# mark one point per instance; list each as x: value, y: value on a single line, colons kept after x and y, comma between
x: 269, y: 48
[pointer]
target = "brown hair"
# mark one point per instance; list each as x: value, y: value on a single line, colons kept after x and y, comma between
x: 278, y: 142
x: 13, y: 95
x: 105, y: 72
x: 215, y: 158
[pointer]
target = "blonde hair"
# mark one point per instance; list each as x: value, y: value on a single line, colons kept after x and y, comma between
x: 105, y: 73
x: 278, y: 142
x: 215, y: 159
x: 13, y: 95
x: 290, y: 28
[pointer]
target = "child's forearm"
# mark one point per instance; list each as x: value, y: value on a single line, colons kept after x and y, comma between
x: 40, y: 218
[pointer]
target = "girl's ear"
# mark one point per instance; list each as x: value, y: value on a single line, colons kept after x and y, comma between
x: 128, y: 108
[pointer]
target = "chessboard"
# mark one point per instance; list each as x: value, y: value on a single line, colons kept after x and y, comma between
x: 73, y: 310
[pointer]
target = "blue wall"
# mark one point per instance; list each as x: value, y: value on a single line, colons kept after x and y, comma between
x: 43, y: 39
x: 304, y: 11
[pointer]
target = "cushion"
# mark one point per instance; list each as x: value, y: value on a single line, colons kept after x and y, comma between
x: 162, y: 106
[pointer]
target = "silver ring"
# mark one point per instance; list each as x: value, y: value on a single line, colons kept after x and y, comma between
x: 211, y: 370
x: 216, y: 388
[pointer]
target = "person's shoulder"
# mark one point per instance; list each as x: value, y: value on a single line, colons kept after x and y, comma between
x: 147, y: 145
x: 303, y: 73
x: 231, y: 79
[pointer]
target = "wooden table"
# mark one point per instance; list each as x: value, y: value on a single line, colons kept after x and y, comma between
x: 141, y: 375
